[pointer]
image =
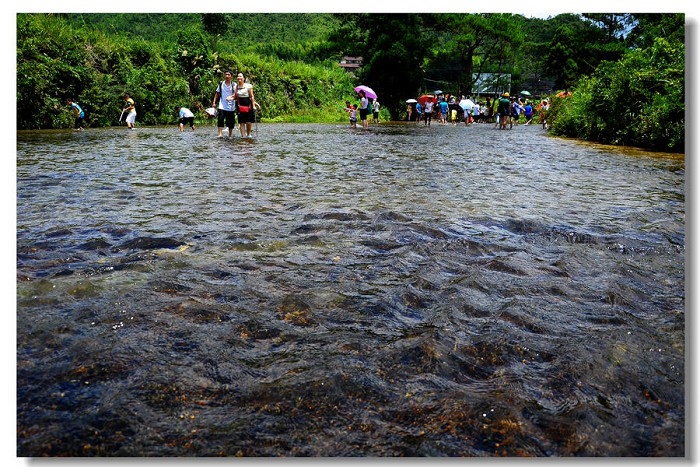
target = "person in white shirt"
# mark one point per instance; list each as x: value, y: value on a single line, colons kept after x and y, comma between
x: 186, y: 116
x: 428, y: 114
x: 225, y: 92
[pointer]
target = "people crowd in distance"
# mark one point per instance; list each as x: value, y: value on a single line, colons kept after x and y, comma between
x: 500, y: 109
x: 235, y: 100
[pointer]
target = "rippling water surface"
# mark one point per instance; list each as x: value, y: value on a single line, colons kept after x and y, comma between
x: 322, y: 291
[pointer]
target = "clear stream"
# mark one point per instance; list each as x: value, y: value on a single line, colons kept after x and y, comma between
x: 322, y: 291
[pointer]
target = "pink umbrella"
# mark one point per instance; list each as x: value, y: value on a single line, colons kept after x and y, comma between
x: 368, y: 91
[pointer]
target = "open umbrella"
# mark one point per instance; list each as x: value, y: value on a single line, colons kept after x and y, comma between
x: 424, y: 98
x: 411, y: 101
x: 437, y: 93
x: 525, y: 93
x: 368, y: 91
x: 466, y: 103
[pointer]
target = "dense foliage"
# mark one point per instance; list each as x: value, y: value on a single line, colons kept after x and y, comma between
x: 628, y: 86
x: 638, y: 100
x: 56, y: 59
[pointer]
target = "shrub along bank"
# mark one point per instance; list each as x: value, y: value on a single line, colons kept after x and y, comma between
x: 56, y: 61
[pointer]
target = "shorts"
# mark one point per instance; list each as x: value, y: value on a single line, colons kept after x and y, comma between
x: 131, y: 117
x: 227, y: 118
x: 363, y: 114
x: 188, y: 120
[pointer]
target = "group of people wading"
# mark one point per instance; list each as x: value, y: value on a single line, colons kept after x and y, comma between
x: 235, y: 99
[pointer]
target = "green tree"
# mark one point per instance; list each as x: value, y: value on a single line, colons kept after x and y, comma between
x: 636, y: 101
x: 392, y: 47
x: 649, y: 26
x: 474, y: 44
x: 561, y: 62
x: 194, y: 56
x: 215, y: 23
x: 612, y: 25
x: 580, y: 44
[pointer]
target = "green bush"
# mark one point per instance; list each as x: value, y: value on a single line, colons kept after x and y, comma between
x: 55, y: 61
x: 637, y: 101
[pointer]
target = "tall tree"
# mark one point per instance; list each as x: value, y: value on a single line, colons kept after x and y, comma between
x: 215, y: 23
x: 648, y: 26
x: 613, y: 25
x: 478, y: 42
x: 562, y: 58
x: 392, y: 48
x: 580, y: 44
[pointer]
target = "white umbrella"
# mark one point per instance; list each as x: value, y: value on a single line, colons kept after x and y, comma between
x: 411, y: 101
x: 466, y: 103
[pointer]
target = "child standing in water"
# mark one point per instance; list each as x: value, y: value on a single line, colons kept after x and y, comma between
x: 352, y: 110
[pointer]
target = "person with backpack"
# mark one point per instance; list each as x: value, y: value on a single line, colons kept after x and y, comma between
x: 515, y: 109
x: 77, y: 112
x: 226, y: 95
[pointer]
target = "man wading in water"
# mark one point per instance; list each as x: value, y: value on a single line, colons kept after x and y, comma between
x: 227, y: 104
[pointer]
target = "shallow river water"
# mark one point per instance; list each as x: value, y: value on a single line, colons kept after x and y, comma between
x: 323, y: 291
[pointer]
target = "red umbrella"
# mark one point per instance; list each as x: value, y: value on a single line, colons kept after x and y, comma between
x: 424, y: 98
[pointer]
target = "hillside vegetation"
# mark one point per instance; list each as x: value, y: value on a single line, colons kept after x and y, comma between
x: 626, y: 72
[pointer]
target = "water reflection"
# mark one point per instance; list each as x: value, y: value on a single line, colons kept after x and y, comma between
x: 319, y: 291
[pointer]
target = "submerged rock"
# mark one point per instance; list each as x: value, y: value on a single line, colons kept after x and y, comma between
x: 149, y: 243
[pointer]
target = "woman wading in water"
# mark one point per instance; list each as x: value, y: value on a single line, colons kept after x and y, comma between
x: 245, y: 103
